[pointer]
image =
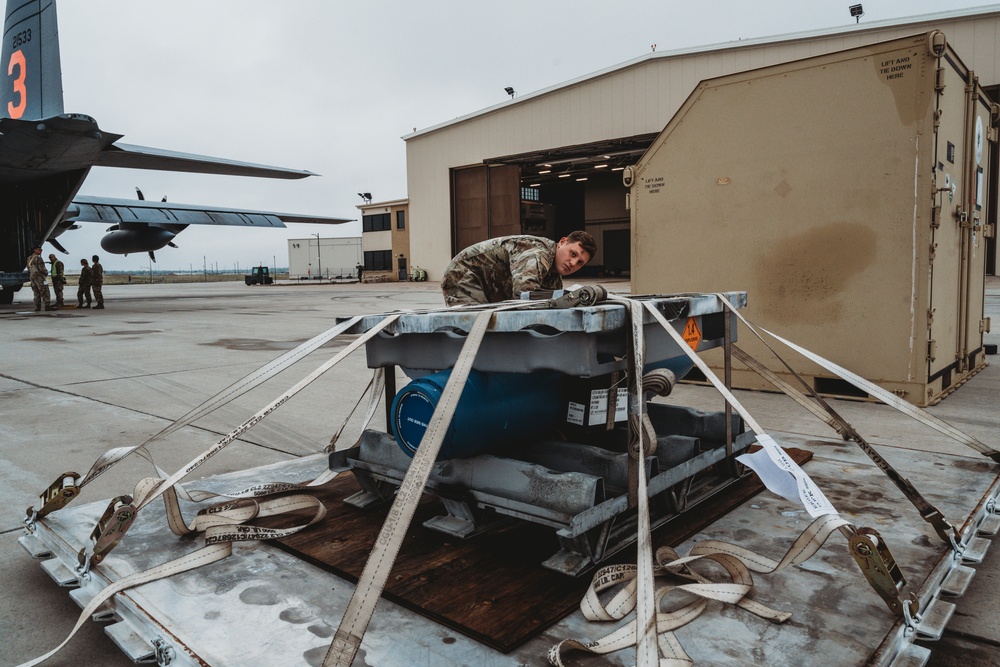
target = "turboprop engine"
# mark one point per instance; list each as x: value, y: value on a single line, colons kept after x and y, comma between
x: 122, y: 240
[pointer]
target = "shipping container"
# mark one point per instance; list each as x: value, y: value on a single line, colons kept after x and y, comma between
x: 849, y: 194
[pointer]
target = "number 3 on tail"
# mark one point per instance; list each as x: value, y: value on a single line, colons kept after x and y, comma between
x: 17, y: 60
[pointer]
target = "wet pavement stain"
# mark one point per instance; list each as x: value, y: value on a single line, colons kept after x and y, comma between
x: 253, y: 344
x: 130, y: 332
x: 262, y: 345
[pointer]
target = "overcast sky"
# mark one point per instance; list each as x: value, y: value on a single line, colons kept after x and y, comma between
x: 331, y: 86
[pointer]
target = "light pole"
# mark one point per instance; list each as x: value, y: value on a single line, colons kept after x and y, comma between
x: 319, y: 257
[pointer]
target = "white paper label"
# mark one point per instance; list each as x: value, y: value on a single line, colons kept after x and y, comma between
x: 599, y: 406
x: 575, y: 414
x: 783, y: 476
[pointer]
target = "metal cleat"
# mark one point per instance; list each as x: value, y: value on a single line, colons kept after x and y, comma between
x: 55, y: 497
x: 880, y: 569
x: 109, y: 531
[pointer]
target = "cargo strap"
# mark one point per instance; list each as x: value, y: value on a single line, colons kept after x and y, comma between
x: 354, y: 623
x: 878, y: 392
x: 146, y: 492
x: 375, y: 388
x: 222, y: 526
x: 772, y: 463
x: 114, y: 456
x: 738, y: 563
x: 945, y: 530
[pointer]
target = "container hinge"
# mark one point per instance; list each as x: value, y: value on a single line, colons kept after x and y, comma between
x: 989, y: 231
x: 984, y: 325
x: 931, y: 349
x: 939, y: 79
x: 879, y: 567
x: 936, y: 43
x: 991, y: 135
x: 936, y: 216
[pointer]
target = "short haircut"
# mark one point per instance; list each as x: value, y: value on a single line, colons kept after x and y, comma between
x: 586, y: 241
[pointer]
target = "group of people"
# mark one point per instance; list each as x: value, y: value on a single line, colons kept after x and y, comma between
x: 91, y: 281
x: 494, y: 270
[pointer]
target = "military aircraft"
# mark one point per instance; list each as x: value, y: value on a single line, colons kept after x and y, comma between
x: 46, y: 154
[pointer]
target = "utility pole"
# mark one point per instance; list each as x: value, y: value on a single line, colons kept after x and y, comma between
x: 319, y: 257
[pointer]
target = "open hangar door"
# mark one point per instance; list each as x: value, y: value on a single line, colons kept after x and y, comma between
x: 551, y: 193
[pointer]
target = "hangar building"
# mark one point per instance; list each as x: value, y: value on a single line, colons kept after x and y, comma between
x: 550, y: 161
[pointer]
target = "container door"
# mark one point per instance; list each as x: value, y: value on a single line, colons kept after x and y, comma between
x: 947, y: 284
x: 958, y: 250
x: 973, y: 227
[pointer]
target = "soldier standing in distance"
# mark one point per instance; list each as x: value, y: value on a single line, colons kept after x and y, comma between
x: 58, y: 273
x: 86, y: 278
x: 37, y: 273
x: 97, y: 282
x: 501, y: 268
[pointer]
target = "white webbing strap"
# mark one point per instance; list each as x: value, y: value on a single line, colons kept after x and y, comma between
x: 141, y: 502
x: 375, y: 388
x: 360, y: 609
x: 878, y: 392
x: 647, y: 649
x: 146, y: 492
x: 737, y: 561
x: 236, y: 389
x: 222, y: 527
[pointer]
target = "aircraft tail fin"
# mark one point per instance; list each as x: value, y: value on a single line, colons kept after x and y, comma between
x: 29, y: 64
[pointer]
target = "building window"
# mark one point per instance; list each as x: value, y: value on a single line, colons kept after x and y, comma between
x: 376, y: 223
x: 378, y: 260
x: 530, y: 194
x: 400, y: 219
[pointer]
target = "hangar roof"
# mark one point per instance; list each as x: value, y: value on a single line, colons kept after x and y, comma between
x: 740, y: 44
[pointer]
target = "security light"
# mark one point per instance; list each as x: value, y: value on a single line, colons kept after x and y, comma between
x: 509, y: 91
x: 857, y: 12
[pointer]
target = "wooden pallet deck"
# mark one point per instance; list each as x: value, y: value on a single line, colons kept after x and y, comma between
x: 491, y: 587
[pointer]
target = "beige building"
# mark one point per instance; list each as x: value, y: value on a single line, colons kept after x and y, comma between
x: 318, y: 258
x: 385, y: 240
x: 551, y: 160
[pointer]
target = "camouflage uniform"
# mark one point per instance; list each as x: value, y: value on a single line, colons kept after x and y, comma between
x: 84, y: 286
x: 37, y: 273
x: 500, y: 269
x: 58, y: 274
x: 96, y: 282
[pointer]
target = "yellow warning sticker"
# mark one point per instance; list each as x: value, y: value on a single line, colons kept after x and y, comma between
x: 692, y: 334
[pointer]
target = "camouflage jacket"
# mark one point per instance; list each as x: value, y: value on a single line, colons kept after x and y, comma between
x: 85, y: 273
x: 96, y: 274
x: 36, y: 267
x: 500, y: 269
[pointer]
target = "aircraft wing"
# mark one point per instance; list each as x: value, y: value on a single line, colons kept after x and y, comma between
x: 128, y: 156
x: 117, y: 211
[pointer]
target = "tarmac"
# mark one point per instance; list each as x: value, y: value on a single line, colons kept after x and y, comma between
x: 75, y: 383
